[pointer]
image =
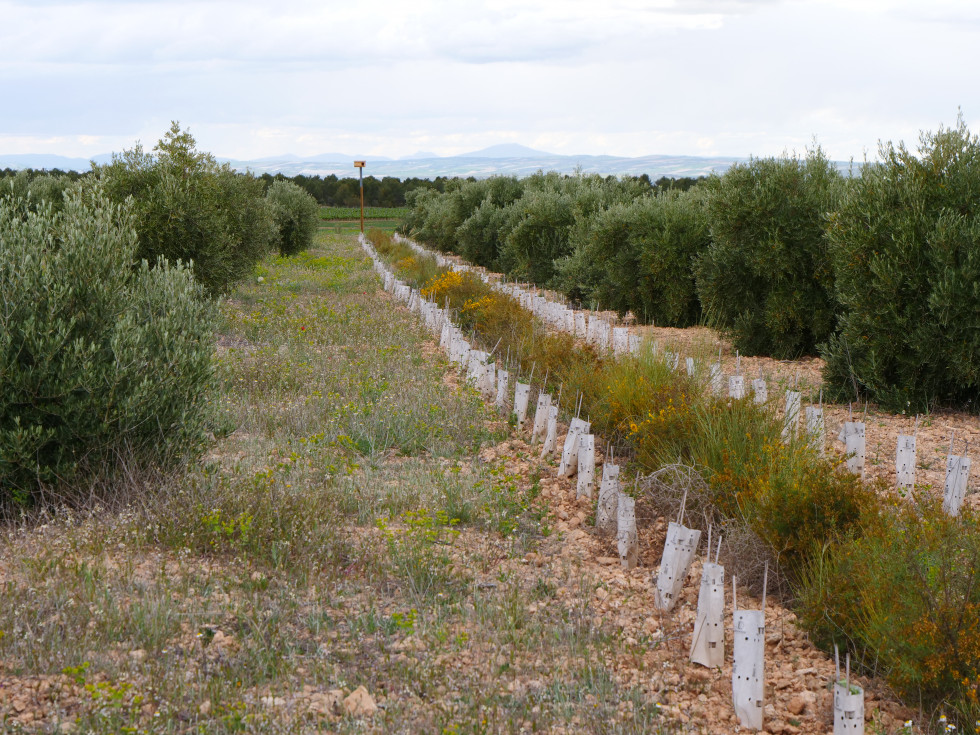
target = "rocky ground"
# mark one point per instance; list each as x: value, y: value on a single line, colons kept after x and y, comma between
x: 307, y: 578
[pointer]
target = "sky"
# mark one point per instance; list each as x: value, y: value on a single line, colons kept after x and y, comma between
x: 253, y: 78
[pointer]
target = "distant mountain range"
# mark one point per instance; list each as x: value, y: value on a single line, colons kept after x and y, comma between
x: 508, y: 159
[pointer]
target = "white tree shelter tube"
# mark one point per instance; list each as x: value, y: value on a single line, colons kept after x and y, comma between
x: 626, y: 538
x: 848, y: 701
x: 606, y: 509
x: 503, y: 383
x: 551, y: 434
x: 748, y: 664
x: 586, y: 466
x: 852, y: 434
x: 569, y: 453
x: 736, y: 387
x: 715, y: 378
x: 679, y: 551
x: 816, y: 432
x: 521, y: 393
x: 905, y: 462
x: 736, y: 382
x: 957, y: 477
x: 792, y: 415
x: 540, y: 425
x: 708, y: 641
x: 620, y: 341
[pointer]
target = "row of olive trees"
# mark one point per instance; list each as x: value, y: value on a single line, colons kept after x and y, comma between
x: 107, y: 321
x: 876, y: 271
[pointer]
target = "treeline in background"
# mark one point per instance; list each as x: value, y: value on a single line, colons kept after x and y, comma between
x: 877, y: 270
x: 334, y: 191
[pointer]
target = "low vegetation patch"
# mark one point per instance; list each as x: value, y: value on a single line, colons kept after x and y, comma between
x: 856, y: 570
x: 340, y: 533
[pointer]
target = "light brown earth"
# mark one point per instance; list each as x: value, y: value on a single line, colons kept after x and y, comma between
x: 539, y: 609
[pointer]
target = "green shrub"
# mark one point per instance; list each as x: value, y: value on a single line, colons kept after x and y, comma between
x: 908, y: 590
x: 906, y: 248
x: 540, y: 223
x: 296, y: 216
x: 538, y: 235
x: 99, y: 359
x: 33, y: 190
x: 480, y: 235
x: 766, y: 280
x: 191, y: 209
x: 639, y: 257
x: 436, y: 217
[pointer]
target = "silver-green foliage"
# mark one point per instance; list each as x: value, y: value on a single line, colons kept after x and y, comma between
x: 98, y: 358
x: 766, y: 280
x: 192, y: 209
x: 906, y: 247
x: 296, y: 216
x: 31, y: 191
x: 541, y: 222
x: 638, y: 256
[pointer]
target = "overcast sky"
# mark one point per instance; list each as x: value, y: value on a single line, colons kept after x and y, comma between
x: 257, y: 78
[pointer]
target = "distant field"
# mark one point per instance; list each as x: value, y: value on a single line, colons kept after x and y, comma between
x: 372, y: 213
x: 344, y: 226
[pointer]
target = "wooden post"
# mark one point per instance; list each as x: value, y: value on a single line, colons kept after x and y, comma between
x: 359, y: 165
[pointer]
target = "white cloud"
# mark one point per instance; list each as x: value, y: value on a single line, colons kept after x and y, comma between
x: 627, y: 77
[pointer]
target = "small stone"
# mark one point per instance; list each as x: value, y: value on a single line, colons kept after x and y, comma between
x: 411, y: 643
x: 796, y: 705
x: 360, y: 703
x: 205, y: 708
x: 326, y: 703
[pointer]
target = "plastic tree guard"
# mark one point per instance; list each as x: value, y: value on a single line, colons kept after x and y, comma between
x: 736, y: 387
x: 626, y: 538
x: 708, y: 642
x: 521, y: 393
x: 957, y: 476
x: 679, y: 550
x: 852, y: 434
x: 586, y: 466
x: 791, y: 416
x: 905, y: 462
x: 816, y: 431
x: 605, y: 514
x: 540, y: 425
